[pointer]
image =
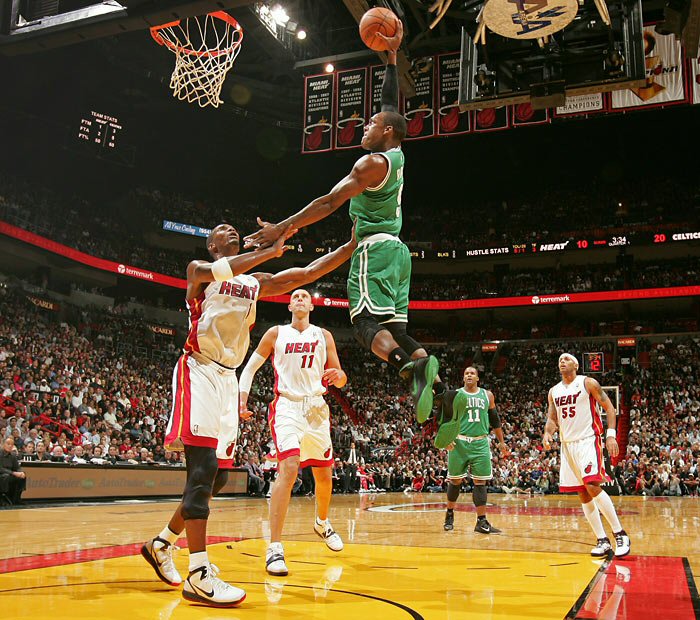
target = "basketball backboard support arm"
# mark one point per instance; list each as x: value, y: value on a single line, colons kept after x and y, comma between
x: 100, y: 19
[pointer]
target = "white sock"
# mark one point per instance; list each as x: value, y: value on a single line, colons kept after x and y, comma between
x: 169, y: 535
x: 198, y: 559
x: 593, y: 515
x: 321, y: 521
x: 605, y: 505
x: 276, y: 546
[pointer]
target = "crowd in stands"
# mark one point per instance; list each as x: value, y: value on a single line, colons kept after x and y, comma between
x: 123, y: 229
x: 89, y: 386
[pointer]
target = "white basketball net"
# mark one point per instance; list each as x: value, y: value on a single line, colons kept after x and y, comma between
x: 205, y: 48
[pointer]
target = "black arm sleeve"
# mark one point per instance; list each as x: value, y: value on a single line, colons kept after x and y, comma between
x: 390, y: 90
x: 494, y: 419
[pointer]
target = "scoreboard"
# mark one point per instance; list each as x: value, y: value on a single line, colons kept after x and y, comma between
x: 593, y: 363
x: 99, y: 129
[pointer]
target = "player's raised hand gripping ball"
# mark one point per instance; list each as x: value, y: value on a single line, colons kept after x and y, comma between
x: 379, y: 28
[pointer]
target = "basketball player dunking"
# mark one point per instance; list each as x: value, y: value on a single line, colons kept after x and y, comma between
x: 305, y: 361
x: 221, y: 300
x: 380, y: 270
x: 572, y: 409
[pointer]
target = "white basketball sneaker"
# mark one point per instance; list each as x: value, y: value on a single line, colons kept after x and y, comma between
x: 274, y: 560
x: 602, y: 548
x: 325, y: 530
x: 159, y: 554
x: 622, y: 544
x: 204, y: 587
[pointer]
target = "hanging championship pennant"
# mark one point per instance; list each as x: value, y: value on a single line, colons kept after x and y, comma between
x: 523, y: 115
x: 420, y: 109
x: 351, y: 108
x: 318, y: 112
x: 491, y: 119
x: 664, y: 74
x: 450, y: 120
x: 376, y: 77
x: 695, y: 77
x: 581, y: 105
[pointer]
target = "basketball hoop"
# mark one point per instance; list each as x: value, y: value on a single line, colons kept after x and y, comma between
x: 205, y: 48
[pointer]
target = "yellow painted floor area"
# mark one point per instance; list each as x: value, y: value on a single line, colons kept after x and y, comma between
x: 364, y: 581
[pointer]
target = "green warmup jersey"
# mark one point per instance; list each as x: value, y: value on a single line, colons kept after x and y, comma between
x: 475, y: 421
x: 378, y: 209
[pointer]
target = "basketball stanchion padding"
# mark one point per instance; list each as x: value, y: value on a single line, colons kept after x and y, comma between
x: 205, y: 48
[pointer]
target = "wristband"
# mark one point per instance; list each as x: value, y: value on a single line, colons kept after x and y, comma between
x: 221, y: 270
x: 611, y: 432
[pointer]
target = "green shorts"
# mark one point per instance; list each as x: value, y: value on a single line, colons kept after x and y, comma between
x: 379, y: 280
x: 470, y: 459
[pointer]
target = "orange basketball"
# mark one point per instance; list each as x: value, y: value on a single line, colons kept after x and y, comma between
x: 377, y: 20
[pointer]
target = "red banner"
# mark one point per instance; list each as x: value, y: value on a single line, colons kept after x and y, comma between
x: 489, y: 347
x: 350, y: 108
x: 451, y: 121
x: 87, y: 259
x: 318, y: 113
x: 331, y: 302
x: 534, y: 300
x: 419, y: 110
x: 626, y: 342
x: 491, y: 119
x: 524, y: 114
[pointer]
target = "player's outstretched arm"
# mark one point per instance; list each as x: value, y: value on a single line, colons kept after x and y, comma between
x: 289, y: 279
x: 390, y: 84
x: 368, y: 171
x: 604, y: 401
x: 200, y: 272
x: 264, y: 349
x: 550, y: 426
x: 495, y: 423
x: 333, y: 374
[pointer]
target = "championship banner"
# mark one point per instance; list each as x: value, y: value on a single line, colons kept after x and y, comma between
x: 695, y: 79
x: 581, y: 104
x: 450, y: 120
x: 46, y: 304
x: 664, y: 74
x: 491, y: 119
x: 524, y: 115
x: 420, y: 109
x: 376, y: 77
x: 350, y: 108
x: 318, y: 113
x: 165, y: 330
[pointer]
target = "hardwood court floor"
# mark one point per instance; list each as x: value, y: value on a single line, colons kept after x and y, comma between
x: 83, y: 561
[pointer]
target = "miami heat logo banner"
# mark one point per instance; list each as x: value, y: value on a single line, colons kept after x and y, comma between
x: 318, y: 113
x: 523, y: 114
x: 491, y: 119
x: 420, y: 109
x: 664, y: 74
x: 450, y: 121
x: 350, y: 108
x: 376, y: 77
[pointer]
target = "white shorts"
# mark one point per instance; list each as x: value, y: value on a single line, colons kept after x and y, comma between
x: 205, y: 408
x: 582, y: 463
x: 302, y: 428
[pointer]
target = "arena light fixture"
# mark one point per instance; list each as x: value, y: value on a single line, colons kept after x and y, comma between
x: 279, y: 14
x: 301, y: 34
x: 330, y: 68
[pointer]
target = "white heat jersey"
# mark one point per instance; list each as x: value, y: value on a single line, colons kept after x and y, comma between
x: 299, y: 360
x: 576, y: 411
x: 221, y: 319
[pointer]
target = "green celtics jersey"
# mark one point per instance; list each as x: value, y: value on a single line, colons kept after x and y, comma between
x: 475, y: 421
x: 378, y: 209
